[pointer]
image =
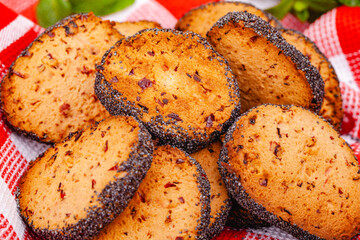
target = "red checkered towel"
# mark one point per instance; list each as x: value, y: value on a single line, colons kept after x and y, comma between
x: 336, y: 33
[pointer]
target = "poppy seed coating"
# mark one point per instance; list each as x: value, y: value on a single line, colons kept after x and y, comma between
x: 48, y: 92
x: 280, y: 74
x: 175, y: 83
x: 79, y: 186
x: 296, y: 155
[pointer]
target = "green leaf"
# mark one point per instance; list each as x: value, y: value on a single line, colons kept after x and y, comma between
x: 282, y: 8
x: 321, y: 5
x: 300, y: 6
x: 303, y: 15
x: 351, y: 3
x: 48, y: 12
x: 99, y: 7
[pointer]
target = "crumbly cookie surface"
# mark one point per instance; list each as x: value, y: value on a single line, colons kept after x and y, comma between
x: 174, y: 82
x: 49, y: 91
x: 83, y: 183
x: 267, y: 68
x: 331, y: 108
x: 291, y: 153
x: 172, y: 201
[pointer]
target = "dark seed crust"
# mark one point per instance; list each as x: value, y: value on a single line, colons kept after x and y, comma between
x: 168, y: 131
x: 332, y: 93
x: 220, y: 201
x: 159, y: 193
x: 264, y: 29
x: 240, y: 218
x: 238, y: 192
x: 204, y: 188
x: 112, y: 200
x: 220, y: 220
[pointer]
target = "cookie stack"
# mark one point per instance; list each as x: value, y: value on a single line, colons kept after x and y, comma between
x: 176, y: 148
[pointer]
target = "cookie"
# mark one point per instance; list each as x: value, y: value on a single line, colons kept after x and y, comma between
x: 130, y: 28
x: 219, y: 201
x: 49, y: 90
x: 290, y: 168
x: 80, y: 185
x: 172, y: 201
x: 202, y: 18
x: 331, y: 108
x: 175, y: 83
x: 268, y: 69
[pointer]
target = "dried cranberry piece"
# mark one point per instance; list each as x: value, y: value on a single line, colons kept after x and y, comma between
x: 18, y: 74
x: 209, y: 120
x: 169, y: 184
x: 174, y: 116
x: 62, y: 194
x: 64, y: 109
x: 197, y: 78
x: 114, y: 80
x: 114, y: 168
x: 263, y: 182
x: 254, y: 38
x: 145, y: 83
x: 179, y: 161
x: 142, y: 198
x: 106, y: 146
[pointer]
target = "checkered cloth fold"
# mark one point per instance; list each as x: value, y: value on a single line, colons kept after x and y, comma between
x: 336, y: 33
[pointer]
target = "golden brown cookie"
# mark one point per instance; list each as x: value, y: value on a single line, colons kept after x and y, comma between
x: 331, y: 108
x: 219, y: 199
x: 268, y: 69
x: 130, y: 28
x: 290, y: 168
x: 49, y: 90
x: 202, y: 18
x: 174, y: 82
x: 172, y: 201
x: 83, y: 183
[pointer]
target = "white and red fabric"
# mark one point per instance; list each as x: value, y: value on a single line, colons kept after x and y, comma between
x: 336, y: 33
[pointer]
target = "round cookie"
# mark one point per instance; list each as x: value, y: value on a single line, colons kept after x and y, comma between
x: 202, y: 18
x: 267, y: 68
x: 220, y: 203
x: 172, y: 201
x: 130, y: 28
x: 290, y: 168
x: 331, y: 108
x: 78, y: 186
x: 175, y: 83
x: 49, y: 90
